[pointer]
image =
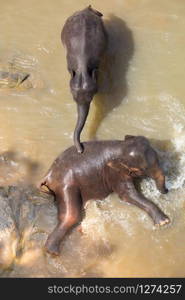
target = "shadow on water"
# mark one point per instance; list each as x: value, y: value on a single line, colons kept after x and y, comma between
x: 112, y: 79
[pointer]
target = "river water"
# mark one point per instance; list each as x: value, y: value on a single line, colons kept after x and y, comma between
x: 142, y: 92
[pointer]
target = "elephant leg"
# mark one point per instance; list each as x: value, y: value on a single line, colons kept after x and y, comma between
x: 69, y: 214
x: 127, y: 192
x: 79, y: 229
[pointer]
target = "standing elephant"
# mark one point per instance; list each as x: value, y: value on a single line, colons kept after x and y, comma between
x: 85, y: 39
x: 104, y: 167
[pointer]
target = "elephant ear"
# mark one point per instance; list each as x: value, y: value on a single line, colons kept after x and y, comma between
x: 129, y: 137
x: 121, y: 167
x: 114, y: 164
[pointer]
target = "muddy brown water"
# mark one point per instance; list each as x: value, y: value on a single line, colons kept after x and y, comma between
x: 142, y: 91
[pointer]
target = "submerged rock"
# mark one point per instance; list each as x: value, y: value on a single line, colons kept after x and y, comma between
x: 26, y: 218
x: 12, y: 80
x: 19, y: 72
x: 8, y: 233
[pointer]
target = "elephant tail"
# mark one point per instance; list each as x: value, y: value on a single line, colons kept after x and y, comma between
x: 43, y: 186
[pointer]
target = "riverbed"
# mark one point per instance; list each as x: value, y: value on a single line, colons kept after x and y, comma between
x: 141, y: 92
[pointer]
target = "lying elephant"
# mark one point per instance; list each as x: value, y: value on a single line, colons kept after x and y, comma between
x: 85, y: 39
x: 104, y: 167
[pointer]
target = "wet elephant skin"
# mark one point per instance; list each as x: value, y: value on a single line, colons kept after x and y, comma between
x: 104, y: 167
x: 85, y: 39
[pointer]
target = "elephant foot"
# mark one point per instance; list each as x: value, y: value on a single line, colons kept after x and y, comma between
x: 161, y: 220
x: 79, y: 229
x: 164, y: 190
x: 52, y: 248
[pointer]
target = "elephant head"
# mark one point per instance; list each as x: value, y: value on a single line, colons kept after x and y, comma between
x: 83, y: 85
x: 140, y: 159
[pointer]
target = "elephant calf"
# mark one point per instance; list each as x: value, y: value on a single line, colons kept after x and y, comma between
x: 85, y: 39
x: 104, y: 167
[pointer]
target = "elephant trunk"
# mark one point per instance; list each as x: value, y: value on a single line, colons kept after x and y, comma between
x: 158, y: 175
x: 83, y: 110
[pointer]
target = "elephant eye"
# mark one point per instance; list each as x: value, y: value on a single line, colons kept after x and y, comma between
x: 92, y: 72
x: 73, y: 73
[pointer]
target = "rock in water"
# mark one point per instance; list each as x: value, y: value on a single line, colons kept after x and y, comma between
x: 8, y: 233
x: 11, y: 79
x: 20, y: 72
x: 26, y: 218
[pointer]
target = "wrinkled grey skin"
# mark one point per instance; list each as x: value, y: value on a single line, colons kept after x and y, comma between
x: 85, y: 40
x: 104, y: 167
